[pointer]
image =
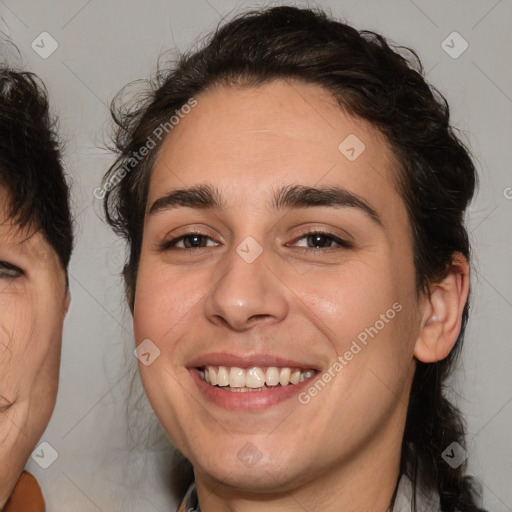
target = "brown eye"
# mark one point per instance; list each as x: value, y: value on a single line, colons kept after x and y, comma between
x: 9, y: 271
x: 188, y: 241
x: 323, y: 239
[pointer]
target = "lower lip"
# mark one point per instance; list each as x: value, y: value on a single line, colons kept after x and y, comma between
x: 248, y: 400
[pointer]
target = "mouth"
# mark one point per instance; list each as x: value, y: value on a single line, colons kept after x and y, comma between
x: 254, y: 378
x: 250, y: 382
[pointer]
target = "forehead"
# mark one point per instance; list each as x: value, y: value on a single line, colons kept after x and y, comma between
x: 26, y: 245
x: 248, y: 140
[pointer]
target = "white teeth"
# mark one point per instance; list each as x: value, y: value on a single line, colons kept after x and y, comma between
x: 236, y: 377
x: 272, y: 376
x: 254, y: 378
x: 284, y: 376
x: 222, y: 376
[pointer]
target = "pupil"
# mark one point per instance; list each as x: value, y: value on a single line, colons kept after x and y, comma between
x: 195, y: 240
x: 317, y: 239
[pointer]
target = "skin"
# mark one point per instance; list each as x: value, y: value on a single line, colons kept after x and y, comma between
x: 33, y: 304
x: 340, y: 451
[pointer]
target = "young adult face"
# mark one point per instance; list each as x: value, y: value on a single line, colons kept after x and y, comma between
x: 226, y: 304
x: 33, y: 302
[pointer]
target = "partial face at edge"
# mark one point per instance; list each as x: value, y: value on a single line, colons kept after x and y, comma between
x: 293, y: 304
x: 33, y: 304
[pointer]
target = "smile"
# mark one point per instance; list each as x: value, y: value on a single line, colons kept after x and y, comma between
x: 254, y: 378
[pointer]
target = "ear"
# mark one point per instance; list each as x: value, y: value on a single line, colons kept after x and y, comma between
x: 442, y: 312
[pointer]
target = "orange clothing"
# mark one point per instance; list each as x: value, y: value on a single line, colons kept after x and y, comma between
x: 26, y: 496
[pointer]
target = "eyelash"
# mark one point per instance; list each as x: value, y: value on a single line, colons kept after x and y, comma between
x: 9, y: 271
x: 343, y: 244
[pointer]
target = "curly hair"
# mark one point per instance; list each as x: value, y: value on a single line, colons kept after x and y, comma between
x: 375, y: 81
x: 31, y: 171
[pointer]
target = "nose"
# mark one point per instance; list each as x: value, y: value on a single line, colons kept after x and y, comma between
x: 246, y: 294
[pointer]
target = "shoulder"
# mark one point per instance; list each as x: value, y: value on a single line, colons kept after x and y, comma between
x: 26, y: 496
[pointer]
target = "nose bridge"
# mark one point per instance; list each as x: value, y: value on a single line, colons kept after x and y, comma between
x: 247, y: 288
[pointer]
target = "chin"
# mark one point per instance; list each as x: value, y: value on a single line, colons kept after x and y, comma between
x: 249, y: 469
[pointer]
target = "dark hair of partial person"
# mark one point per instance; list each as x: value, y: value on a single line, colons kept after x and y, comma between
x: 373, y: 80
x: 31, y: 171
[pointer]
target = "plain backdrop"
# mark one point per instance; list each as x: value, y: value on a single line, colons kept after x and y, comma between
x: 102, y: 45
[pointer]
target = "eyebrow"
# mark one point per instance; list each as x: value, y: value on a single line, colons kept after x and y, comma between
x: 206, y: 196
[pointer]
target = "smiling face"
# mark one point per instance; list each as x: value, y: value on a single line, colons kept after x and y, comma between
x: 33, y: 303
x: 313, y: 285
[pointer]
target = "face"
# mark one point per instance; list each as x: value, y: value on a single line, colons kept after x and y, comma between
x: 302, y: 310
x: 33, y: 303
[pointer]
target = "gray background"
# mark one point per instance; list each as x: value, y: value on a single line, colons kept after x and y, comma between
x: 104, y: 45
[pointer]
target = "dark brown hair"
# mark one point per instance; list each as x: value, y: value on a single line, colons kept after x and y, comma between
x: 30, y: 162
x: 371, y: 80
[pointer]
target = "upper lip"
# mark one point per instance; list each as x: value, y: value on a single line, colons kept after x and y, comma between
x: 248, y: 361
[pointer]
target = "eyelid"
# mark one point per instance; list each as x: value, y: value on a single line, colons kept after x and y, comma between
x: 170, y: 243
x: 10, y: 271
x: 341, y: 244
x: 314, y: 230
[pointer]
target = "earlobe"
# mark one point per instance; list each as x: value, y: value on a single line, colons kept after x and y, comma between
x: 442, y: 313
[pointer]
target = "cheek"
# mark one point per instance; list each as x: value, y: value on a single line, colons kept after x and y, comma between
x: 366, y: 319
x: 164, y: 299
x: 348, y: 301
x: 17, y: 331
x: 30, y: 352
